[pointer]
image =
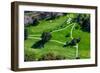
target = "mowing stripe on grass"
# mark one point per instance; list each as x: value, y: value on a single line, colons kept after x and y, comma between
x: 35, y: 38
x: 34, y: 35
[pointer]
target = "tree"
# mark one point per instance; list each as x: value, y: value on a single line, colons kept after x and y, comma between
x: 84, y: 21
x: 45, y: 37
x: 25, y: 34
x: 34, y: 22
x: 73, y: 42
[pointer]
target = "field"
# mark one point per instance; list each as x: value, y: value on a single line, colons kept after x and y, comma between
x: 62, y: 30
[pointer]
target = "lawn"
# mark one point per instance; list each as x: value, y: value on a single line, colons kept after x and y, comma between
x: 55, y: 45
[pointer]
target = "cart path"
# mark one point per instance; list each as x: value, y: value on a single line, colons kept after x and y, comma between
x: 50, y: 40
x: 76, y: 46
x: 61, y: 28
x: 71, y: 32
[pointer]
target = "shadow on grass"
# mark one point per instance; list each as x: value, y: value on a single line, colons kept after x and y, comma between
x: 38, y: 44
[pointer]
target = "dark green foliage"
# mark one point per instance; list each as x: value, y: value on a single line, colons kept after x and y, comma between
x: 84, y: 21
x: 77, y: 27
x: 25, y: 34
x: 34, y: 22
x: 68, y: 35
x: 78, y: 40
x: 46, y: 36
x: 73, y: 42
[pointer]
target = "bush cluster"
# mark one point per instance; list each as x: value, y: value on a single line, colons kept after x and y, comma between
x: 51, y: 56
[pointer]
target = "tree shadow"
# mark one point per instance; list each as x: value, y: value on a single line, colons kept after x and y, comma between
x: 38, y: 44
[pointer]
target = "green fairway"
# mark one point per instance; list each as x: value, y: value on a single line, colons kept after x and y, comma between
x: 55, y: 45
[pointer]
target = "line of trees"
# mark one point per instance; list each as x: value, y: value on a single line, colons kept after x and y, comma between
x: 83, y: 20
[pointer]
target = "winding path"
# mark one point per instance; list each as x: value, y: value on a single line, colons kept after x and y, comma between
x: 71, y: 32
x: 71, y: 36
x: 62, y: 28
x: 35, y: 36
x: 52, y: 31
x: 76, y: 46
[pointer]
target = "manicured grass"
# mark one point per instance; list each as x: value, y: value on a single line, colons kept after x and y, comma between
x: 69, y: 52
x: 46, y: 25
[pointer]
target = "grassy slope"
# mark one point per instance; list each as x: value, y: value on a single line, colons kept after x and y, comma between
x: 46, y: 25
x: 68, y: 52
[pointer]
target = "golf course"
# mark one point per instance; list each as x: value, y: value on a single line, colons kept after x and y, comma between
x: 68, y: 39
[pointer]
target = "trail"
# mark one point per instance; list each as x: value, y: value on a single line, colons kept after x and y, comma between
x: 71, y: 33
x: 76, y: 46
x: 50, y: 40
x: 62, y: 28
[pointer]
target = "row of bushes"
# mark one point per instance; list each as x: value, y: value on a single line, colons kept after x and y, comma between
x: 32, y: 56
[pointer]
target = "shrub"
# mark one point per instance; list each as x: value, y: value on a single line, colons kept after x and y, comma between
x: 68, y: 35
x: 48, y: 56
x: 77, y: 26
x: 73, y: 42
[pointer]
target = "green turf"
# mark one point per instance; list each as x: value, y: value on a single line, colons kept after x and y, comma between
x: 34, y: 32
